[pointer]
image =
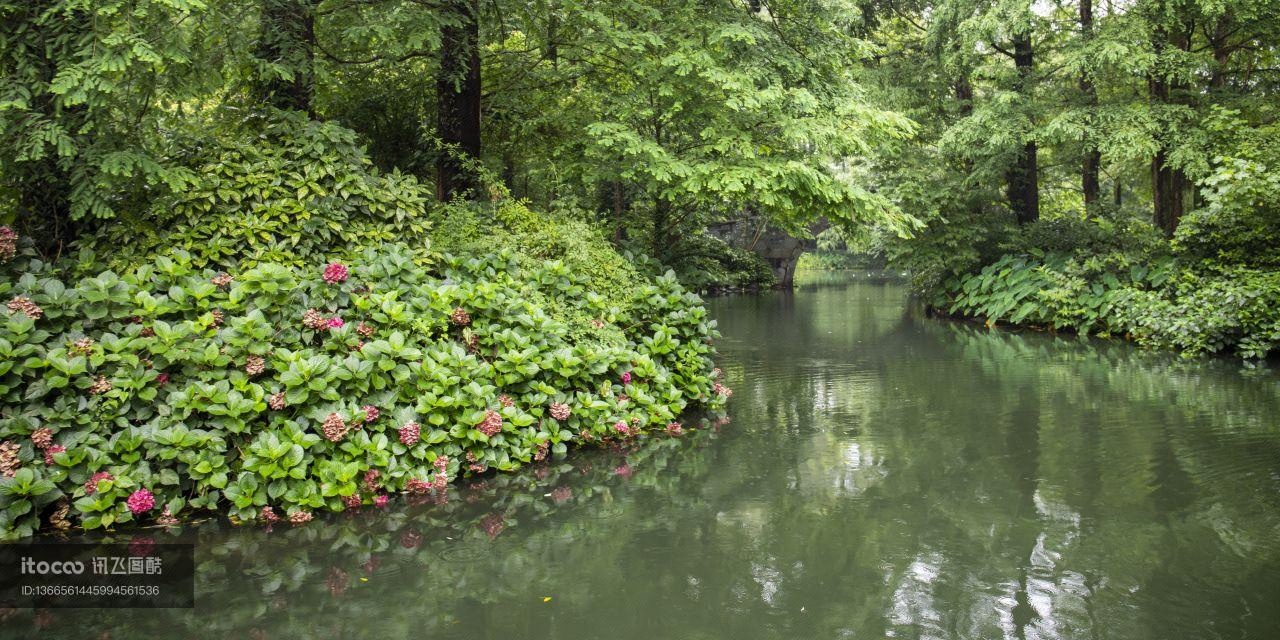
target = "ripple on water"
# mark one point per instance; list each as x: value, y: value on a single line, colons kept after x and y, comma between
x: 605, y: 512
x: 466, y: 551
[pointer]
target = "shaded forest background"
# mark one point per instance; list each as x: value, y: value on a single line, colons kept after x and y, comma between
x: 1128, y: 146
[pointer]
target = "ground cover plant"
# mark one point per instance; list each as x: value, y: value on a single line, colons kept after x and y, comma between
x: 272, y: 392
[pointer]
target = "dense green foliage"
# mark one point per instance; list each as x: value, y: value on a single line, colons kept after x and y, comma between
x: 295, y: 192
x: 1110, y: 170
x: 80, y: 137
x: 254, y: 390
x: 1213, y: 288
x: 1160, y: 303
x: 1067, y: 153
x: 654, y: 118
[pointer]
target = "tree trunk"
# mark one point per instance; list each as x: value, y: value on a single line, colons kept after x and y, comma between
x: 1221, y: 52
x: 619, y: 208
x: 458, y: 100
x: 964, y: 94
x: 1167, y: 182
x: 288, y: 39
x: 1023, y: 178
x: 1092, y: 157
x: 1089, y: 177
x: 553, y: 32
x: 661, y: 231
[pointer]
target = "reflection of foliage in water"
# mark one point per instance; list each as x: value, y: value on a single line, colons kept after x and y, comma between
x: 358, y: 574
x: 1149, y: 475
x: 963, y: 482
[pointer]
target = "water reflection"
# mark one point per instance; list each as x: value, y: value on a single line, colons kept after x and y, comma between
x: 884, y: 476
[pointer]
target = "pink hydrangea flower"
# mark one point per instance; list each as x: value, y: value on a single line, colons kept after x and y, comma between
x: 626, y: 377
x: 140, y: 501
x: 91, y: 485
x: 559, y: 411
x: 336, y: 322
x: 410, y: 433
x: 42, y: 438
x: 277, y: 401
x: 336, y: 272
x: 622, y: 427
x: 674, y: 428
x: 334, y: 427
x: 314, y: 320
x: 380, y: 500
x: 441, y: 463
x: 371, y: 413
x: 52, y: 449
x: 492, y: 423
x: 8, y: 244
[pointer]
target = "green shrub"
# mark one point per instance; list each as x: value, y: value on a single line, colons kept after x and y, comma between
x: 1099, y: 235
x: 469, y: 228
x: 285, y: 189
x: 1160, y: 303
x: 949, y: 246
x: 704, y: 261
x: 1240, y: 222
x: 838, y: 261
x: 1229, y: 309
x: 281, y: 390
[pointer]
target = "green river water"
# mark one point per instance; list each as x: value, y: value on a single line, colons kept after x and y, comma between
x: 884, y: 475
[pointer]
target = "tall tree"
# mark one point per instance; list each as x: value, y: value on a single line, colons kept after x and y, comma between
x: 458, y: 98
x: 1024, y: 176
x: 1092, y: 156
x: 79, y: 127
x: 286, y: 53
x: 1168, y: 181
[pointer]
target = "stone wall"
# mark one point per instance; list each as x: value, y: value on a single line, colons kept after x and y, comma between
x: 779, y: 249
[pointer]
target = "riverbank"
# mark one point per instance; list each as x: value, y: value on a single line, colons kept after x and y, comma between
x: 1164, y: 302
x: 272, y: 392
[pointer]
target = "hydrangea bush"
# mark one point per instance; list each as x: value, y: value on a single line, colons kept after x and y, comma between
x: 277, y: 391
